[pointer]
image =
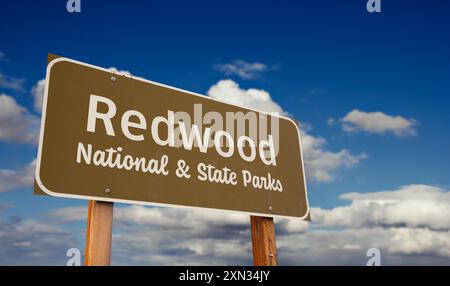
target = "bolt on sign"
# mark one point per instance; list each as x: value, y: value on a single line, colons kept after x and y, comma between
x: 113, y: 137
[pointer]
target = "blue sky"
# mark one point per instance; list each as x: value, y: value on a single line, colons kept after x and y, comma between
x: 323, y: 59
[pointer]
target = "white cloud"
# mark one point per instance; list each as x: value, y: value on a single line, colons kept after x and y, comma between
x: 186, y: 236
x: 38, y: 93
x: 409, y: 225
x: 172, y: 236
x: 16, y: 123
x: 19, y: 178
x: 158, y: 216
x: 392, y: 221
x: 120, y: 72
x: 124, y: 73
x: 378, y: 122
x: 175, y: 236
x: 11, y: 83
x: 320, y: 164
x: 229, y: 91
x: 398, y: 246
x: 32, y: 242
x: 291, y: 226
x: 72, y: 214
x: 241, y: 68
x: 164, y: 217
x: 412, y: 206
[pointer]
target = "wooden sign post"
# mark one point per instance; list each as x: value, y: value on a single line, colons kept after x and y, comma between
x: 263, y: 241
x: 99, y: 234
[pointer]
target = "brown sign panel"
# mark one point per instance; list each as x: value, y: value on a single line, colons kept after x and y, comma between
x: 113, y: 137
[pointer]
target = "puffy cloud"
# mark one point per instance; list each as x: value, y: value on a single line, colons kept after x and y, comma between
x: 16, y: 123
x: 411, y: 206
x: 229, y: 91
x: 398, y: 246
x: 320, y: 164
x: 11, y: 83
x: 379, y: 123
x: 124, y: 73
x: 158, y: 216
x: 242, y: 69
x: 190, y: 237
x: 291, y: 226
x: 176, y: 236
x: 32, y: 242
x: 38, y: 93
x: 16, y: 179
x: 339, y: 236
x: 120, y: 72
x: 72, y: 214
x: 172, y: 236
x: 172, y: 248
x: 409, y: 225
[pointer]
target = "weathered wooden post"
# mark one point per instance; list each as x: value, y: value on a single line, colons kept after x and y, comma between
x: 99, y: 234
x: 263, y: 241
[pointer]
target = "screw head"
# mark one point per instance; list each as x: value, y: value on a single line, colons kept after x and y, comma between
x: 113, y: 78
x: 107, y: 191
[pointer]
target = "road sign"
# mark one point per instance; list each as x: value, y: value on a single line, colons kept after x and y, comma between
x: 113, y: 137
